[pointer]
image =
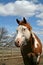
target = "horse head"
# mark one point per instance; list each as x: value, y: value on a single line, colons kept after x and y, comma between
x: 23, y: 32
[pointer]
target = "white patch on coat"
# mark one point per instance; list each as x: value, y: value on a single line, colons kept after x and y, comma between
x: 36, y: 42
x: 38, y: 58
x: 22, y: 33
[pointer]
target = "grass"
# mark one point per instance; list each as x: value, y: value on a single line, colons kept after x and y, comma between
x: 12, y: 56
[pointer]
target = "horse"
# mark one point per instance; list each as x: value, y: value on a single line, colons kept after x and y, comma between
x: 29, y: 43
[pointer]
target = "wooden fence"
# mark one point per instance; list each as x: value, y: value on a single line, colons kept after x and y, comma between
x: 12, y: 56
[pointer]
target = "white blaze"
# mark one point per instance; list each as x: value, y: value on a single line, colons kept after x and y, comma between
x: 22, y: 33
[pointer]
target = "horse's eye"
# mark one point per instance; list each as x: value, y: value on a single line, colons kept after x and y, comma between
x: 24, y: 29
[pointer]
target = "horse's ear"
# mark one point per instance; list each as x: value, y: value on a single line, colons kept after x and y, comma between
x: 24, y: 20
x: 18, y: 21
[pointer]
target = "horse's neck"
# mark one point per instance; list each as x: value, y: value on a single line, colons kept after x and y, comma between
x: 29, y: 47
x: 31, y: 41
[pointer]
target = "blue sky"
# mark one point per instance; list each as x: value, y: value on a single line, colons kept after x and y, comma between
x: 32, y: 10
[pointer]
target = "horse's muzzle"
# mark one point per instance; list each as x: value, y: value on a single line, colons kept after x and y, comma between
x: 17, y: 44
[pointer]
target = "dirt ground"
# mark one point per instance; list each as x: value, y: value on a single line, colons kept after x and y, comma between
x: 14, y: 61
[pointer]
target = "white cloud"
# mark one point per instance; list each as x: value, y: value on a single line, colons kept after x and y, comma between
x: 7, y: 9
x: 22, y: 8
x: 29, y: 0
x: 40, y: 9
x: 39, y: 32
x: 40, y: 15
x: 35, y: 1
x: 40, y: 22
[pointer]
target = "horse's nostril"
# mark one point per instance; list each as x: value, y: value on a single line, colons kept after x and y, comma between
x: 18, y: 41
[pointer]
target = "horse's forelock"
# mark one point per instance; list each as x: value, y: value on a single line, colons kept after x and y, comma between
x: 24, y: 23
